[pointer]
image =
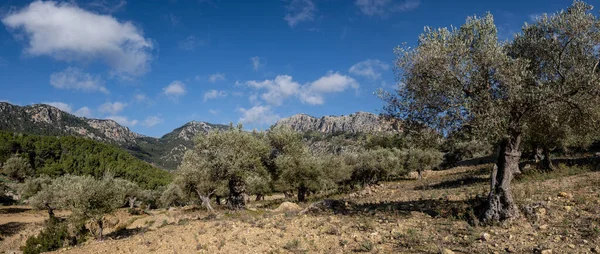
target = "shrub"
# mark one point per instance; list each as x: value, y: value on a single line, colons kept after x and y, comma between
x: 54, y: 236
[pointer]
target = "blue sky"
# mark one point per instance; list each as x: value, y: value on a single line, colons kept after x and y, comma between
x: 154, y: 65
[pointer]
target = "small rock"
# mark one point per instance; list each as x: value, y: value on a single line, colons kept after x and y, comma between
x: 548, y: 251
x: 585, y: 241
x: 510, y: 249
x: 566, y: 195
x: 510, y: 237
x: 568, y: 208
x: 572, y: 246
x: 544, y: 227
x: 447, y: 251
x: 485, y: 237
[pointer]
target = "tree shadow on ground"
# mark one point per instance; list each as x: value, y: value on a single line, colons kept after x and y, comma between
x: 125, y: 233
x: 456, y: 183
x: 462, y: 209
x: 11, y: 228
x: 12, y: 210
x: 6, y: 200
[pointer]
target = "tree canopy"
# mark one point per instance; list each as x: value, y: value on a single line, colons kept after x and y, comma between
x: 466, y: 79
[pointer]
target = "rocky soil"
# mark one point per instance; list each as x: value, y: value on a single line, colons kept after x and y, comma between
x: 559, y: 215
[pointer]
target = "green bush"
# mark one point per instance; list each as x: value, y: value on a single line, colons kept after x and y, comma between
x: 54, y: 236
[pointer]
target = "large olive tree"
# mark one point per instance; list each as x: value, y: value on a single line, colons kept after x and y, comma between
x: 465, y: 77
x: 228, y: 157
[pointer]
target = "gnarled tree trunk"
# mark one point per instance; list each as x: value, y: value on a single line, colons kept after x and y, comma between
x: 501, y: 205
x: 547, y: 161
x: 100, y: 229
x: 205, y: 200
x: 132, y: 202
x: 302, y: 193
x: 237, y: 188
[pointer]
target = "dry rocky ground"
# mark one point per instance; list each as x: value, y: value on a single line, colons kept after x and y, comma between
x: 561, y: 214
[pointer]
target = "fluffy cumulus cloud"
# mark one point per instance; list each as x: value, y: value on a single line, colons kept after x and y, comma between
x: 258, y: 115
x: 83, y: 112
x: 123, y: 120
x: 175, y: 89
x: 216, y: 77
x: 214, y: 94
x: 75, y: 79
x: 152, y: 121
x: 299, y: 11
x: 385, y: 7
x: 283, y: 86
x: 370, y: 68
x: 49, y: 28
x: 333, y: 82
x: 278, y: 89
x: 112, y: 108
x: 60, y: 105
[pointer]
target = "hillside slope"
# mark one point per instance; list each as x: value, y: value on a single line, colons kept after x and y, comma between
x: 40, y: 119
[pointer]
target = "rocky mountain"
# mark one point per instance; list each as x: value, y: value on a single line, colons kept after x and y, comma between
x: 41, y: 119
x: 167, y: 152
x: 359, y: 122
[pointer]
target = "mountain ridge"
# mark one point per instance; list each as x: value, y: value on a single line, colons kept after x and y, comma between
x: 166, y: 151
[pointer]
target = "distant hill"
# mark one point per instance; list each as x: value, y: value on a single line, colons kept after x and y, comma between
x: 359, y: 122
x: 52, y: 155
x: 40, y: 119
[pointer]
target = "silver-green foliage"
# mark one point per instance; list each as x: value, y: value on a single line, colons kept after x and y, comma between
x: 86, y: 197
x: 465, y: 77
x: 17, y: 168
x: 221, y: 159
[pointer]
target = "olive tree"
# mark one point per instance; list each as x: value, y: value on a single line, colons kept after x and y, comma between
x: 17, y: 168
x: 464, y: 77
x: 86, y: 197
x: 227, y: 158
x: 372, y: 166
x: 130, y: 190
x: 31, y: 190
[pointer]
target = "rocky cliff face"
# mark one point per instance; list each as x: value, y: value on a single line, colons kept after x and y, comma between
x: 359, y: 122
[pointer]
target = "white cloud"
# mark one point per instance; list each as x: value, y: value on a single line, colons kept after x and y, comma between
x: 213, y: 111
x: 258, y: 115
x: 140, y: 97
x: 384, y: 7
x: 213, y: 94
x: 299, y: 11
x: 83, y: 112
x: 191, y: 42
x: 152, y: 121
x: 333, y: 82
x: 216, y: 77
x: 112, y: 108
x: 73, y: 78
x: 256, y: 63
x: 312, y: 93
x: 370, y: 68
x: 175, y: 89
x: 60, y: 105
x: 3, y: 100
x: 123, y: 120
x: 278, y: 89
x: 66, y: 32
